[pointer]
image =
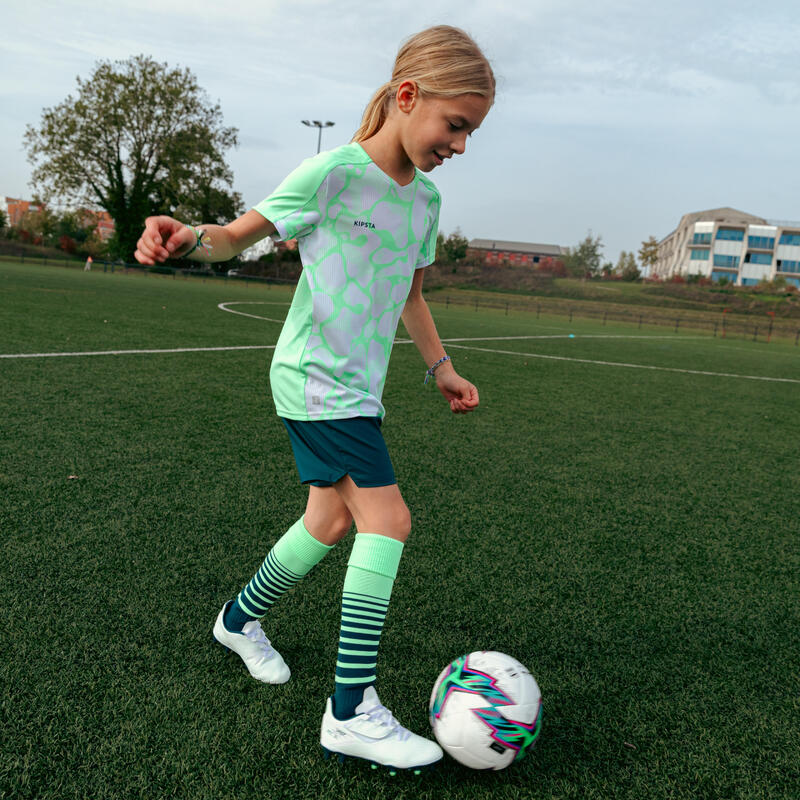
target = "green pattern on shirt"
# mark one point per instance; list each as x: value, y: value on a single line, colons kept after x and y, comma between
x: 361, y: 236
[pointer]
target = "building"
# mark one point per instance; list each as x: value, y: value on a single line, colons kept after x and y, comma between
x: 15, y: 209
x: 731, y: 245
x: 494, y: 253
x: 101, y: 222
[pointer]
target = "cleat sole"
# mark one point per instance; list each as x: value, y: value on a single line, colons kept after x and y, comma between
x: 390, y: 768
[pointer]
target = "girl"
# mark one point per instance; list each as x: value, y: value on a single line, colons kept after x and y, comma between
x: 366, y: 221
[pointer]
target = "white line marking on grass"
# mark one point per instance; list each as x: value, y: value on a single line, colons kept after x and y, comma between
x: 627, y: 366
x: 571, y: 336
x: 224, y: 307
x: 140, y: 352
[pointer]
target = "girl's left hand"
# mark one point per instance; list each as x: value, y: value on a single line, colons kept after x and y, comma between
x: 459, y: 393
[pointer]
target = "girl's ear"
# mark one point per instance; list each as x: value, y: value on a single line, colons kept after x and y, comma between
x: 407, y: 96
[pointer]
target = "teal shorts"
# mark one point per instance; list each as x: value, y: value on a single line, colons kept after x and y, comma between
x: 327, y: 450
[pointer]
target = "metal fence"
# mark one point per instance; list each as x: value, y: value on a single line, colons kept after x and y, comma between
x: 724, y: 324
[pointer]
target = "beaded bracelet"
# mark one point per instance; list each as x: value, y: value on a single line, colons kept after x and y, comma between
x: 433, y: 368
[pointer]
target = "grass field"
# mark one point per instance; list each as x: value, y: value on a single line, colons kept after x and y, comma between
x: 621, y: 514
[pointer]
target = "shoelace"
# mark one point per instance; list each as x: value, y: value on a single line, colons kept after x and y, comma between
x: 256, y: 634
x: 383, y: 716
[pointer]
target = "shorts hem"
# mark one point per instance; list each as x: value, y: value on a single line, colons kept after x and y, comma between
x: 363, y: 484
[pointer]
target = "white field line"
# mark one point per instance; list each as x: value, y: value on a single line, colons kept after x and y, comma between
x: 570, y: 336
x: 627, y: 366
x: 247, y: 347
x: 224, y: 307
x: 138, y: 352
x: 451, y: 342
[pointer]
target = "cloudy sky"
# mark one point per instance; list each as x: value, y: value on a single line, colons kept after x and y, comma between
x: 613, y: 116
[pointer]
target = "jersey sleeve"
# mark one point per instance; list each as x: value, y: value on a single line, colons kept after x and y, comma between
x: 294, y: 207
x: 427, y: 253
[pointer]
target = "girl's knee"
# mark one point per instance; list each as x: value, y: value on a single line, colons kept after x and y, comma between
x: 329, y: 528
x: 340, y: 525
x: 400, y: 523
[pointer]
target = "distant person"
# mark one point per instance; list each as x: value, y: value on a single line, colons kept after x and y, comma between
x: 87, y: 267
x: 366, y: 221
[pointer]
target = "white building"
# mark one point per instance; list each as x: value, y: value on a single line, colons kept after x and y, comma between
x: 724, y: 243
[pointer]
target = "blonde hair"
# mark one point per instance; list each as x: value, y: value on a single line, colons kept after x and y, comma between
x: 443, y: 61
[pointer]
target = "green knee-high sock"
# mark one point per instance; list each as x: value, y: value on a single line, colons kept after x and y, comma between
x: 291, y: 557
x: 368, y: 583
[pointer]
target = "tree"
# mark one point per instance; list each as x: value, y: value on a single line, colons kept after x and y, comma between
x: 626, y: 267
x: 452, y: 249
x: 585, y: 258
x: 455, y: 246
x: 3, y: 220
x: 648, y: 254
x: 140, y: 138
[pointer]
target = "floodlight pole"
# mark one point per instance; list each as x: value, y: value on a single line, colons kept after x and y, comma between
x: 315, y: 123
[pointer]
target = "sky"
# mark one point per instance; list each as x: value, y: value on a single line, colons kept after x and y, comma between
x: 614, y: 117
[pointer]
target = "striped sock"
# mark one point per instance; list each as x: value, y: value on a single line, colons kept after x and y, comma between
x: 368, y: 583
x: 292, y: 557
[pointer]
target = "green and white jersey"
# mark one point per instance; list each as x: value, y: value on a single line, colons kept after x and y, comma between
x: 361, y: 236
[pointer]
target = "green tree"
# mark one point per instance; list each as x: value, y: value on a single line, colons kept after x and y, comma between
x: 3, y: 220
x: 451, y: 249
x: 648, y: 254
x: 440, y: 246
x: 626, y: 267
x: 140, y: 138
x: 586, y: 257
x: 455, y: 247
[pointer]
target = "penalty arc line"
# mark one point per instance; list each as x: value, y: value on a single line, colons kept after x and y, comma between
x: 627, y: 366
x: 224, y: 307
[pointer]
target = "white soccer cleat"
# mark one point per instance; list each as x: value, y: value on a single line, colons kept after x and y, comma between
x: 375, y: 735
x: 262, y: 660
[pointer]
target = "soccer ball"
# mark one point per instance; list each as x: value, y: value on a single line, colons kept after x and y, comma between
x: 486, y: 710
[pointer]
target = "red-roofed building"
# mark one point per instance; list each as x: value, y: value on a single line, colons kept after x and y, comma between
x: 495, y: 252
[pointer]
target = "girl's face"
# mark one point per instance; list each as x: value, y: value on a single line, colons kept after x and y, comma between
x: 436, y: 128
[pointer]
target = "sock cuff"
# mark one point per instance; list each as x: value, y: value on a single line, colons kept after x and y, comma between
x: 376, y: 553
x: 298, y: 550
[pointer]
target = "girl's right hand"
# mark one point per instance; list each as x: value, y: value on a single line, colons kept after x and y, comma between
x: 163, y: 237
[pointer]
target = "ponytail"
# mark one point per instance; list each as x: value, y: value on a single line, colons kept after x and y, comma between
x: 375, y: 114
x: 443, y: 61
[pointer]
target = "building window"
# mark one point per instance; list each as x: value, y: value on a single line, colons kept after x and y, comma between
x: 730, y: 234
x: 758, y: 258
x: 700, y: 255
x: 761, y: 242
x: 702, y: 238
x: 731, y: 262
x: 718, y: 275
x: 790, y: 238
x: 788, y: 266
